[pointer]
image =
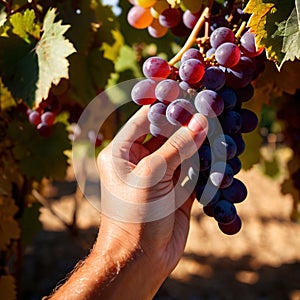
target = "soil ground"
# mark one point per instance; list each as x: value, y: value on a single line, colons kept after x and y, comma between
x: 261, y: 262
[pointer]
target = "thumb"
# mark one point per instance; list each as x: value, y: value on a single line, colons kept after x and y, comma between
x: 184, y: 142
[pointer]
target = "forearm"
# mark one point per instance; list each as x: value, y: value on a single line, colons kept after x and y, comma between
x: 112, y: 271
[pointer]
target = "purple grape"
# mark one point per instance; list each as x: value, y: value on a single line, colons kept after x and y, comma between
x: 248, y: 45
x: 244, y: 94
x: 44, y: 130
x: 228, y: 55
x: 213, y: 78
x: 143, y: 92
x: 205, y: 157
x: 191, y: 70
x: 192, y: 53
x: 170, y: 17
x: 157, y: 114
x: 224, y: 212
x: 180, y: 111
x: 231, y: 122
x: 221, y: 35
x: 236, y: 192
x: 240, y: 144
x: 235, y: 164
x: 209, y: 103
x: 224, y: 147
x: 34, y: 117
x: 221, y: 175
x: 190, y: 19
x: 240, y: 75
x: 229, y: 97
x: 156, y: 67
x: 209, y: 210
x: 231, y: 228
x: 180, y: 29
x: 211, y: 196
x: 250, y: 120
x: 167, y: 90
x: 210, y: 52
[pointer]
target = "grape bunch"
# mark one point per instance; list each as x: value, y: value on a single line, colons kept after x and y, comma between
x: 214, y: 84
x: 158, y: 16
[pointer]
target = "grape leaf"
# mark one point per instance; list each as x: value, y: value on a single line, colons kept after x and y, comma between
x: 9, y: 228
x: 264, y: 20
x: 23, y: 25
x: 8, y: 287
x: 40, y: 157
x: 290, y: 30
x: 52, y: 50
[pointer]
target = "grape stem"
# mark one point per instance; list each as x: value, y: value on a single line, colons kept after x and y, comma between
x: 192, y: 38
x: 241, y: 29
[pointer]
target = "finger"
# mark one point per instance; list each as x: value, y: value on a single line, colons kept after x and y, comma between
x: 136, y: 128
x: 184, y: 142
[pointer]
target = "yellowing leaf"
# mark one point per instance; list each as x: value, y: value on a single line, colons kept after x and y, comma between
x: 24, y: 25
x: 8, y: 287
x: 111, y: 52
x: 52, y: 50
x: 9, y: 228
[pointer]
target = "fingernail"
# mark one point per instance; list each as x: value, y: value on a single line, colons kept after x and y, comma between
x: 198, y: 122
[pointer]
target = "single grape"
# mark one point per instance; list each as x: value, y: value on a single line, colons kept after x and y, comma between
x: 170, y: 17
x: 249, y: 122
x: 156, y: 67
x: 221, y: 175
x: 167, y: 90
x: 224, y: 147
x: 213, y: 78
x: 44, y: 130
x: 235, y: 164
x: 191, y: 70
x: 192, y: 53
x: 209, y: 210
x: 228, y: 55
x: 229, y: 97
x: 241, y: 74
x: 240, y: 144
x: 180, y: 111
x: 205, y: 157
x: 139, y: 17
x: 190, y: 19
x: 209, y: 103
x: 244, y: 94
x: 143, y: 92
x: 248, y: 45
x: 157, y: 30
x: 232, y: 228
x: 210, y: 52
x: 48, y: 118
x: 157, y: 114
x: 236, y: 192
x: 34, y: 117
x: 220, y: 36
x: 224, y: 212
x: 231, y: 122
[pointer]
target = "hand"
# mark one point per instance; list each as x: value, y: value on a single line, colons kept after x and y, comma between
x: 145, y: 212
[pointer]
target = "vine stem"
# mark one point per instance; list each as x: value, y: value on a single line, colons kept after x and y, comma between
x: 241, y: 29
x: 192, y: 38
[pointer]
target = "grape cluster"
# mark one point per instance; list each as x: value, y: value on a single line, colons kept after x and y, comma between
x: 42, y: 121
x: 158, y: 16
x: 215, y: 84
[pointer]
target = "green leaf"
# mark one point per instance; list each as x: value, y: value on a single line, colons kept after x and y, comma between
x: 264, y: 21
x: 52, y: 50
x: 38, y: 156
x: 24, y: 26
x: 19, y: 67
